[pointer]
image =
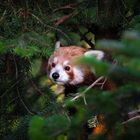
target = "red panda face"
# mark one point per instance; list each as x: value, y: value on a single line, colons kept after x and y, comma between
x: 61, y: 69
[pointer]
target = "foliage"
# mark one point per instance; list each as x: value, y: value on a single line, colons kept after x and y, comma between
x: 53, y: 127
x: 28, y: 105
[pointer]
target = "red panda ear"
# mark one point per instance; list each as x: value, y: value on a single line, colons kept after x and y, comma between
x: 96, y: 53
x: 57, y: 45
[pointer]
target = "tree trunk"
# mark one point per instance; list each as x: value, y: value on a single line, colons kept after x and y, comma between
x: 109, y: 17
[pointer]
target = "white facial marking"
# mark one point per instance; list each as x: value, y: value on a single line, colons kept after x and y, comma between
x: 66, y: 63
x: 78, y: 76
x: 63, y: 76
x: 98, y: 54
x: 55, y: 60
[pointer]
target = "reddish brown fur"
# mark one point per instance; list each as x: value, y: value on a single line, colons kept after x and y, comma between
x: 67, y: 53
x: 71, y: 75
x: 70, y: 53
x: 49, y: 67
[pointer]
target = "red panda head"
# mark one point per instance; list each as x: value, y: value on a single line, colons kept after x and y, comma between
x: 61, y: 69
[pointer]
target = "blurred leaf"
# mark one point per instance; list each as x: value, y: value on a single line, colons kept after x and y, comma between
x: 83, y: 29
x: 26, y: 52
x: 61, y: 137
x: 98, y: 67
x: 90, y: 36
x: 35, y: 67
x: 2, y: 47
x: 56, y: 125
x: 133, y: 65
x: 122, y: 73
x: 129, y: 13
x: 110, y: 46
x: 134, y: 24
x: 124, y: 48
x: 131, y: 39
x: 74, y: 37
x: 36, y: 129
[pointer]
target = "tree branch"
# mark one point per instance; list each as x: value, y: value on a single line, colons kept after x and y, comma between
x: 87, y: 89
x: 132, y: 119
x: 69, y: 6
x: 63, y: 19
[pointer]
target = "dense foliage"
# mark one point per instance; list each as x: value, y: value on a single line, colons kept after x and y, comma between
x: 29, y: 106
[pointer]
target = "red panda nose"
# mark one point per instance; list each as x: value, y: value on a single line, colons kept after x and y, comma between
x: 55, y: 75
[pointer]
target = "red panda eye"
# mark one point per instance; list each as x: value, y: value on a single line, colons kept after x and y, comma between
x: 67, y: 68
x: 53, y: 64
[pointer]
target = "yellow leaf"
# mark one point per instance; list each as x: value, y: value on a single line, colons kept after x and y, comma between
x: 85, y: 44
x: 46, y: 82
x: 57, y: 89
x: 60, y: 98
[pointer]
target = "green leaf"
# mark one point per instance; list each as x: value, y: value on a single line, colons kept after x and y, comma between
x: 125, y: 47
x: 134, y: 24
x: 36, y: 129
x: 56, y: 125
x: 2, y: 48
x: 131, y: 39
x: 26, y: 52
x: 61, y: 137
x: 98, y: 67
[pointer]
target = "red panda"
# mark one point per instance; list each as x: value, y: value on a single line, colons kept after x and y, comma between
x: 63, y: 71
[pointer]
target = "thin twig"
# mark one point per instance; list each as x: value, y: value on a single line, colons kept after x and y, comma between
x: 12, y: 101
x: 69, y: 6
x: 17, y: 89
x: 93, y: 84
x: 132, y: 119
x: 85, y: 101
x: 86, y: 90
x: 25, y: 106
x: 10, y: 88
x: 133, y: 113
x: 51, y: 27
x: 36, y: 88
x: 36, y: 17
x: 59, y: 30
x: 49, y: 3
x: 2, y: 17
x: 63, y: 19
x: 102, y: 85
